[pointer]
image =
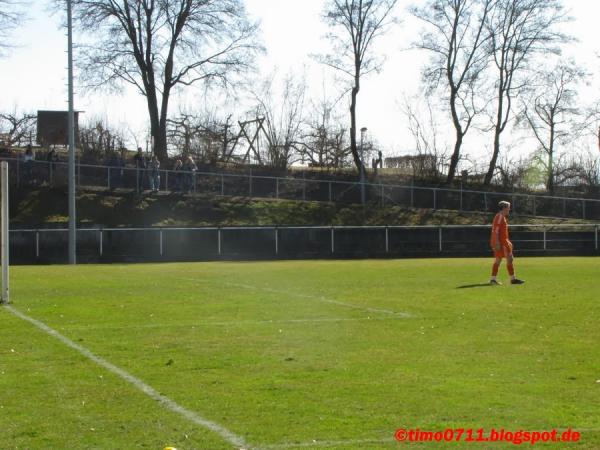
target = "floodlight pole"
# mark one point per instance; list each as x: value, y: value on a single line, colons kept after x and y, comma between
x: 363, y: 130
x: 71, y: 131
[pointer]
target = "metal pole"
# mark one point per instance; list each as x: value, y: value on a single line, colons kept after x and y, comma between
x: 71, y: 121
x: 387, y: 240
x: 101, y: 244
x: 276, y: 241
x: 5, y: 244
x: 160, y: 241
x: 440, y: 238
x: 544, y: 239
x: 332, y: 241
x: 219, y: 241
x: 37, y: 244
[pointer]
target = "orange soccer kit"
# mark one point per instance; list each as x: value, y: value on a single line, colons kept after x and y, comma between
x: 500, y: 244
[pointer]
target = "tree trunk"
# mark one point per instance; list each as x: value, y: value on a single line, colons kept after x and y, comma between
x: 459, y: 138
x: 550, y: 179
x: 490, y: 173
x: 455, y: 157
x: 353, y: 147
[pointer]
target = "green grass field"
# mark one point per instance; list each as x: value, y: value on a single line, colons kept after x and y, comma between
x: 306, y: 354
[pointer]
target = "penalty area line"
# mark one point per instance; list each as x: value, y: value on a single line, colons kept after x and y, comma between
x: 165, y: 401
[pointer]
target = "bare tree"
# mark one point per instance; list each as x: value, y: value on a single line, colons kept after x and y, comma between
x: 11, y: 15
x: 457, y: 42
x: 355, y: 26
x: 283, y: 110
x: 98, y: 140
x: 520, y: 30
x: 550, y: 111
x: 19, y: 128
x: 205, y: 136
x: 430, y: 157
x: 158, y: 45
x: 325, y: 140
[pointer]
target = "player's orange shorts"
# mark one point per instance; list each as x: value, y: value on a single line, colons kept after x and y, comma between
x: 502, y: 251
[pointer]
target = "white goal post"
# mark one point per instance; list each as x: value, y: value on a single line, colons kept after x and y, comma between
x: 4, y: 234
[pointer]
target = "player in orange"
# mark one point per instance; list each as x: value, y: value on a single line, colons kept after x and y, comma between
x: 501, y: 246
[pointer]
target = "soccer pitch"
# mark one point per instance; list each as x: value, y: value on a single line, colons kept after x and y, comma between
x: 297, y: 354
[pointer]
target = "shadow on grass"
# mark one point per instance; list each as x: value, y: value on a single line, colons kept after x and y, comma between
x: 470, y: 286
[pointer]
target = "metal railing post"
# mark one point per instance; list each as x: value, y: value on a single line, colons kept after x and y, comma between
x: 387, y: 240
x: 596, y: 237
x: 108, y: 178
x: 219, y: 241
x: 440, y: 238
x: 37, y: 244
x: 332, y: 241
x: 101, y: 243
x: 160, y: 240
x: 544, y: 239
x: 276, y: 241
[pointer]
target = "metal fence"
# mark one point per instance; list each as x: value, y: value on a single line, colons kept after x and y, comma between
x: 249, y: 185
x: 244, y: 243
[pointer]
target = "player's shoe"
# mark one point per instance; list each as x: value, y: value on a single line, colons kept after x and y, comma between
x: 495, y: 283
x: 517, y: 281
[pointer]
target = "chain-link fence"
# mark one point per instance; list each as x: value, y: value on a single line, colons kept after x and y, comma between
x: 245, y: 243
x: 42, y: 173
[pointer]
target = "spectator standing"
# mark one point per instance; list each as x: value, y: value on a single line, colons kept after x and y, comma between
x: 140, y: 169
x: 51, y: 159
x: 190, y: 169
x: 178, y: 169
x: 116, y: 170
x: 28, y: 159
x: 154, y: 174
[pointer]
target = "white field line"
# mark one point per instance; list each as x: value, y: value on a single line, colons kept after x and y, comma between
x: 228, y: 323
x: 165, y: 401
x: 307, y: 296
x: 322, y: 444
